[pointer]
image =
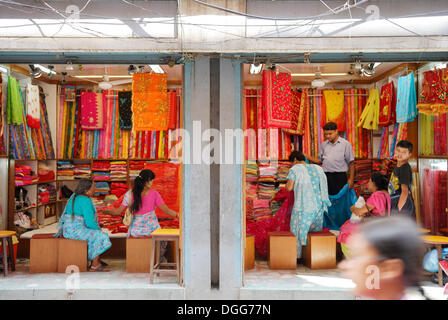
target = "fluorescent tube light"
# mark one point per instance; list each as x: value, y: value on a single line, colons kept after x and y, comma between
x: 156, y: 68
x: 44, y: 69
x: 322, y: 74
x: 100, y: 77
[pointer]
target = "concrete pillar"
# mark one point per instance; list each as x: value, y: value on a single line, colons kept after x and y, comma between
x: 196, y: 182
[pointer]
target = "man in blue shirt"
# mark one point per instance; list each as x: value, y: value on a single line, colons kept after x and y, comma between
x: 336, y: 157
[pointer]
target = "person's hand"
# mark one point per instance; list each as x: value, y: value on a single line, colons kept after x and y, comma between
x: 350, y: 183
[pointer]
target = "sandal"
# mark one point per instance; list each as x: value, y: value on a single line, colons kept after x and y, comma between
x: 98, y: 269
x: 103, y: 263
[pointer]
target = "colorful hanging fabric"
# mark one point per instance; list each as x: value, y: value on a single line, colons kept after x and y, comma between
x: 251, y: 123
x: 440, y: 135
x: 427, y: 134
x: 434, y: 94
x: 92, y: 111
x: 15, y: 106
x: 125, y: 109
x: 149, y: 101
x: 387, y: 105
x: 334, y: 111
x: 369, y: 117
x: 32, y: 106
x: 276, y: 99
x: 406, y: 99
x: 172, y: 113
x: 299, y: 105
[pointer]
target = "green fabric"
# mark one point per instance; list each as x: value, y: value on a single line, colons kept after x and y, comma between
x: 15, y: 107
x: 84, y: 207
x: 346, y: 250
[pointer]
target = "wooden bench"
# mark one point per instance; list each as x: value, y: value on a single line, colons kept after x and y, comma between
x: 72, y: 253
x: 320, y: 250
x: 138, y: 255
x: 282, y: 250
x: 7, y: 250
x: 158, y: 236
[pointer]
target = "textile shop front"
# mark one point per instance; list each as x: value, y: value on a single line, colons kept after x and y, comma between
x: 285, y: 108
x: 101, y: 122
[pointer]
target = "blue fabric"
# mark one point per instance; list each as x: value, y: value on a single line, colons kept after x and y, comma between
x: 339, y: 212
x: 406, y: 99
x: 431, y: 260
x: 310, y: 201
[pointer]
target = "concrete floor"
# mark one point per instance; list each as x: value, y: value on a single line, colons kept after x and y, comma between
x: 305, y: 284
x: 260, y: 283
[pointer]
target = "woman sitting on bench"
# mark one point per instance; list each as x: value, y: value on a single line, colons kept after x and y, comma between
x: 83, y: 224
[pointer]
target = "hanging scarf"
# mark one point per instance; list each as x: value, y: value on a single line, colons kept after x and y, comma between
x: 387, y: 105
x: 277, y: 99
x: 32, y: 106
x: 406, y: 99
x: 124, y: 106
x: 149, y: 101
x: 172, y: 114
x: 434, y: 94
x: 92, y: 111
x: 369, y: 117
x: 14, y: 110
x: 334, y: 102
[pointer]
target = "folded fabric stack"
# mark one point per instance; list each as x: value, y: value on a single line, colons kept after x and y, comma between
x: 251, y: 190
x: 46, y: 193
x: 135, y: 167
x: 250, y: 209
x: 266, y: 190
x: 101, y: 171
x: 113, y: 223
x: 118, y: 170
x: 251, y: 171
x: 385, y: 166
x: 283, y: 170
x: 24, y: 175
x: 66, y: 170
x: 261, y: 209
x: 82, y: 171
x: 118, y: 189
x: 45, y: 173
x: 267, y: 172
x: 102, y: 188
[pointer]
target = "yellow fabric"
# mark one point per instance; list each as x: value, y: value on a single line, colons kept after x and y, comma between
x: 334, y: 100
x: 370, y: 116
x: 7, y: 233
x: 345, y: 250
x: 171, y: 232
x: 427, y: 134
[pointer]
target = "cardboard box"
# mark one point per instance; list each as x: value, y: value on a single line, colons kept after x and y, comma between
x: 249, y: 253
x: 72, y: 253
x: 320, y: 251
x: 138, y: 255
x: 282, y: 252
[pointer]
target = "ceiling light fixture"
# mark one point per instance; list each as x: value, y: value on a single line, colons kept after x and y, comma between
x: 255, y: 68
x: 132, y: 69
x: 156, y: 68
x: 49, y: 71
x: 35, y: 72
x: 69, y: 66
x: 100, y: 77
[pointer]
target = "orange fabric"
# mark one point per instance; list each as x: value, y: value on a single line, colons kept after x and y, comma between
x: 150, y: 110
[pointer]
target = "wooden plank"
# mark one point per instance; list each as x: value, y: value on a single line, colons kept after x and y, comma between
x: 43, y: 255
x: 72, y: 252
x: 138, y: 255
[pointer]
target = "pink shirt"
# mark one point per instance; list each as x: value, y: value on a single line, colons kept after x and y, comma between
x: 149, y: 202
x: 381, y: 202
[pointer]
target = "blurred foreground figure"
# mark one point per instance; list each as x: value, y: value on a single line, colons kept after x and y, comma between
x: 386, y: 260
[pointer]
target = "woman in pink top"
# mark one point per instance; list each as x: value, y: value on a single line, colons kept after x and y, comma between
x: 378, y: 205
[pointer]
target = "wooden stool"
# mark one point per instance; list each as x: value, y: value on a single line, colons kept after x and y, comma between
x: 72, y: 252
x: 138, y: 255
x: 282, y: 250
x: 249, y: 253
x: 7, y: 246
x: 320, y: 250
x: 44, y: 253
x: 158, y: 236
x: 437, y: 241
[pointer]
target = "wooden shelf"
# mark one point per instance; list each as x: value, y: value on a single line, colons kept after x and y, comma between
x: 26, y: 185
x: 47, y: 204
x: 25, y: 209
x: 49, y: 181
x: 433, y: 157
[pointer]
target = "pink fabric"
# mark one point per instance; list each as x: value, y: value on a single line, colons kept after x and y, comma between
x: 92, y: 110
x: 378, y: 201
x: 149, y: 202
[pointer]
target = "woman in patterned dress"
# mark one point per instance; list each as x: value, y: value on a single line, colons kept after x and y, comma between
x: 310, y: 198
x: 79, y: 221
